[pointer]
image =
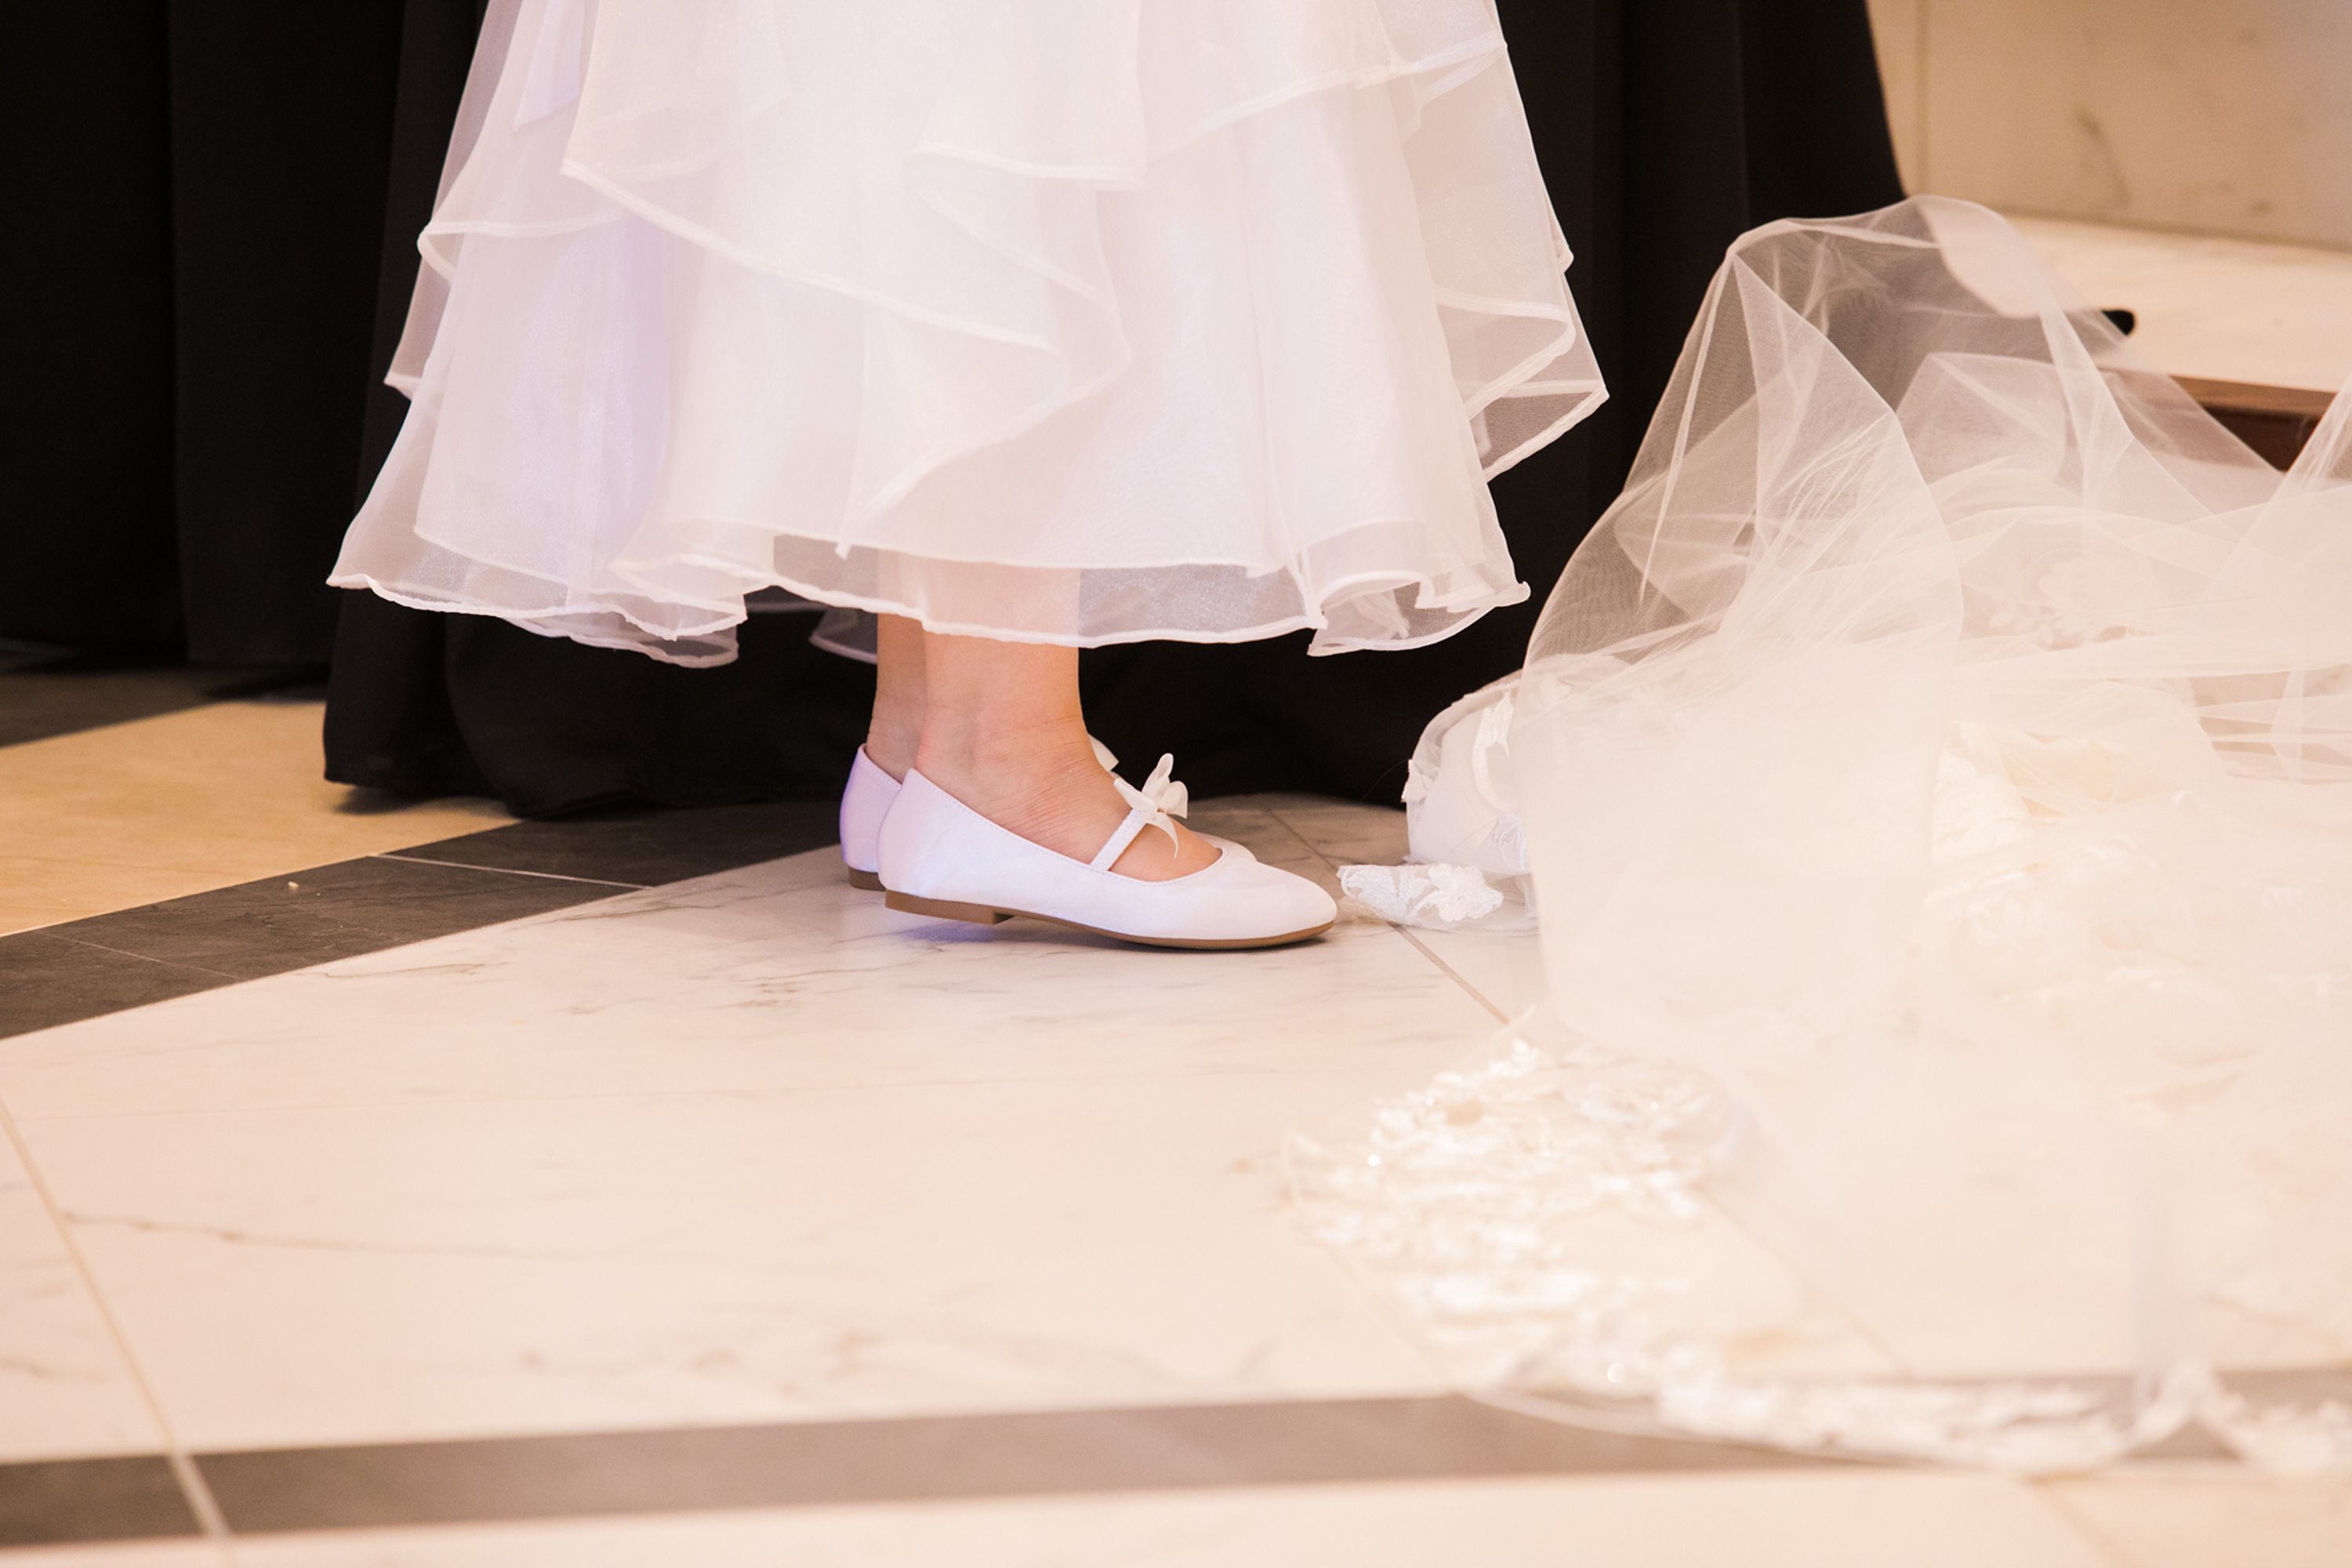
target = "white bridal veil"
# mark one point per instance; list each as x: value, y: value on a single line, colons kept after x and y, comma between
x: 1934, y: 775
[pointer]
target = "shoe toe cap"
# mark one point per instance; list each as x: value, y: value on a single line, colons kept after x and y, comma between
x: 1293, y: 902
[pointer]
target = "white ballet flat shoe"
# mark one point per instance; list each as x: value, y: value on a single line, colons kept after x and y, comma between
x: 940, y: 857
x: 864, y: 804
x: 866, y: 801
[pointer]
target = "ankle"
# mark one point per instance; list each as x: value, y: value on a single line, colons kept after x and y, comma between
x: 1051, y: 750
x: 1014, y: 771
x: 891, y: 746
x: 1038, y: 779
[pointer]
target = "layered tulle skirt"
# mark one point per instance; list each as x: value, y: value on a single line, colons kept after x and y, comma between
x: 1067, y: 320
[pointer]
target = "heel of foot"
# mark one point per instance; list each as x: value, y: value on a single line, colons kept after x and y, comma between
x: 942, y: 909
x: 865, y: 880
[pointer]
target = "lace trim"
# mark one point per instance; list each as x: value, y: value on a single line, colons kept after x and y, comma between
x: 1441, y: 896
x: 1463, y: 1206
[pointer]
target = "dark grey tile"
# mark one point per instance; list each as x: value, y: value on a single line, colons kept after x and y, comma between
x: 325, y: 913
x: 2191, y: 1442
x: 47, y: 980
x: 1031, y: 1454
x: 2294, y: 1385
x: 1053, y: 1453
x: 646, y: 847
x: 53, y: 1502
x: 42, y: 696
x: 61, y: 973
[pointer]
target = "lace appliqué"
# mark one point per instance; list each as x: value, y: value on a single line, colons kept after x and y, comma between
x: 1467, y: 1208
x: 1439, y: 897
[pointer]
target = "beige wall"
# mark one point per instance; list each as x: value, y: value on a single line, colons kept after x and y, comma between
x: 2222, y: 116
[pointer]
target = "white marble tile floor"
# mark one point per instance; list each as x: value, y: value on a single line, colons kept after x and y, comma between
x: 2202, y: 1515
x: 748, y: 1148
x: 64, y: 1389
x: 753, y: 1149
x: 128, y: 1554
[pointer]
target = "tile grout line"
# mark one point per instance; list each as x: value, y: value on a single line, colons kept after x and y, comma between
x: 1419, y: 946
x: 1456, y: 975
x: 508, y: 870
x: 59, y: 933
x: 210, y: 1520
x: 2071, y: 1519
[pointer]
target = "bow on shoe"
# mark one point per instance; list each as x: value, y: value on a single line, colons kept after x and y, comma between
x: 1162, y: 799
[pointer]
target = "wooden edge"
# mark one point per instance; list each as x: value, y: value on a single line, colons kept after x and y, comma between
x: 2251, y: 397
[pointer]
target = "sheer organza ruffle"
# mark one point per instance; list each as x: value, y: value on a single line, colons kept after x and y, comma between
x: 1936, y: 778
x: 1077, y: 321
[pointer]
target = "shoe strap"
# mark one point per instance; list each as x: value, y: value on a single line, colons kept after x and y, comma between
x: 1156, y: 804
x: 1129, y: 832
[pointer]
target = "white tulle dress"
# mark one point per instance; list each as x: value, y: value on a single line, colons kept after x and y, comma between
x: 1934, y: 780
x: 1066, y: 320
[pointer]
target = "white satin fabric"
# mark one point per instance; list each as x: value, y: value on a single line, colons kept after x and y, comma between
x: 1067, y: 320
x: 1936, y: 775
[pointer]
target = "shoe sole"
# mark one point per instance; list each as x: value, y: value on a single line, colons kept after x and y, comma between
x: 865, y: 881
x: 989, y: 915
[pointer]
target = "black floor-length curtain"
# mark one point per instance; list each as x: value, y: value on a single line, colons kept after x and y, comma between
x: 196, y: 197
x: 86, y: 549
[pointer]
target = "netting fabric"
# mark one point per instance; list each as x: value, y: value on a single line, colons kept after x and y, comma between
x: 1064, y: 320
x: 1935, y: 777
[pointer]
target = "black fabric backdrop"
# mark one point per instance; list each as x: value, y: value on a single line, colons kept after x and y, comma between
x: 196, y: 195
x: 235, y: 190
